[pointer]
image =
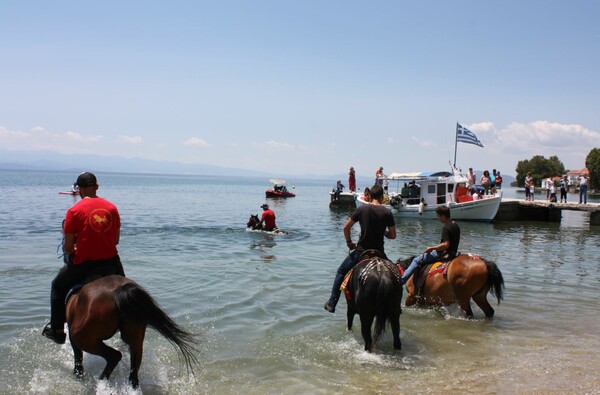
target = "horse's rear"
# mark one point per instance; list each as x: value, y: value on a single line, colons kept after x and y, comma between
x: 375, y: 294
x: 112, y: 303
x: 466, y: 277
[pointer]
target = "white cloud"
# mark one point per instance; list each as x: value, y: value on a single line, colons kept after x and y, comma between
x: 131, y: 139
x: 571, y: 143
x: 195, y: 141
x: 271, y: 144
x: 78, y: 137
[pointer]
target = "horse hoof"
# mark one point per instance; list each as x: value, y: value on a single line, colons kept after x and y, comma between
x: 78, y: 371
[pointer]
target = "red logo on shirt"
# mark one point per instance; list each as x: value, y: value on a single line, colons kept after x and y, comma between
x: 100, y: 220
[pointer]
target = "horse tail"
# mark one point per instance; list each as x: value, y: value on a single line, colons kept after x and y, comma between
x: 382, y: 300
x: 134, y: 303
x: 495, y: 279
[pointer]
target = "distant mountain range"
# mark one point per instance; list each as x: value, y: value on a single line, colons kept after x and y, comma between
x: 48, y: 160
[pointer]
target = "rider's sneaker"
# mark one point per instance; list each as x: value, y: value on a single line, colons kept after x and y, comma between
x: 329, y: 307
x: 53, y: 334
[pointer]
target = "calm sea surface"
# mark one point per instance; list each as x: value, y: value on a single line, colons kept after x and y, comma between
x: 257, y: 300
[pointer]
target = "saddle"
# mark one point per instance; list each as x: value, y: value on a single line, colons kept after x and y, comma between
x: 431, y: 269
x: 375, y: 258
x: 92, y: 276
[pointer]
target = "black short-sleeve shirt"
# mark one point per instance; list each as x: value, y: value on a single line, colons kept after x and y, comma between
x: 374, y: 220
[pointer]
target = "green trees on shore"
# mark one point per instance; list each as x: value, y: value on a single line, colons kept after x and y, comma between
x: 592, y: 162
x: 540, y: 168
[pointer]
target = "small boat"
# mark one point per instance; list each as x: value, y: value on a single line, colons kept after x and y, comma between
x: 344, y: 199
x: 68, y: 193
x: 279, y: 190
x: 417, y: 195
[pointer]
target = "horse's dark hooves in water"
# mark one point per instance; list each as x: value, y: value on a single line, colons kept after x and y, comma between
x: 374, y: 292
x: 104, y: 306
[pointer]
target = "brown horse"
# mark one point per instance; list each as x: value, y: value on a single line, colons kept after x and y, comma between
x: 115, y: 303
x: 466, y: 276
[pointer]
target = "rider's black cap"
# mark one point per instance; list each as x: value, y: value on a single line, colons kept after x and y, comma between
x: 86, y: 179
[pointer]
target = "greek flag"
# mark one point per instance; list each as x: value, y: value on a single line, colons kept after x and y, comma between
x: 464, y: 135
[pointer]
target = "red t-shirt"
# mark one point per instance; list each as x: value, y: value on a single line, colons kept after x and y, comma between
x: 96, y: 224
x: 269, y: 217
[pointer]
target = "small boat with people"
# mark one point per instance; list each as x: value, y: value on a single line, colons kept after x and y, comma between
x: 279, y: 190
x: 417, y: 195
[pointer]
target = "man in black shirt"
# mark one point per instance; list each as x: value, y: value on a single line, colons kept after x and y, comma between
x: 445, y: 250
x: 374, y: 219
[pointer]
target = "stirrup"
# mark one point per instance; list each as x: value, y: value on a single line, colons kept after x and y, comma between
x: 53, y: 334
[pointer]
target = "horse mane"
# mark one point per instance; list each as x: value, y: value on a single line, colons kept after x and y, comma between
x: 405, y: 262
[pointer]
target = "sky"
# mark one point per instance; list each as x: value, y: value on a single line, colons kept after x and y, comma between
x: 303, y: 87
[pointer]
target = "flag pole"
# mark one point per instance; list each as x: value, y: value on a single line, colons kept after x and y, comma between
x: 455, y: 143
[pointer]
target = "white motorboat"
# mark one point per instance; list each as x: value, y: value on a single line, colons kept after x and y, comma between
x: 417, y: 195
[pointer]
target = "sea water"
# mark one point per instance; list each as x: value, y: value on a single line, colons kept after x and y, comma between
x: 256, y: 300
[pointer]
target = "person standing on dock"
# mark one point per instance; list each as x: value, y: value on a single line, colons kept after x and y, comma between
x: 564, y: 184
x: 583, y: 187
x: 528, y: 187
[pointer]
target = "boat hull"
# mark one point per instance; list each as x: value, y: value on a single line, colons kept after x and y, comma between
x: 276, y: 194
x: 483, y: 210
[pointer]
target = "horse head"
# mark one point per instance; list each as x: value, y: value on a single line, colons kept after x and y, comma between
x: 404, y: 263
x: 253, y: 221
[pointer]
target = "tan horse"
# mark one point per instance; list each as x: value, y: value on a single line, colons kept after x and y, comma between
x: 466, y: 277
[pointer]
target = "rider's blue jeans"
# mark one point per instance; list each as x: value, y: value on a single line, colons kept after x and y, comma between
x: 350, y: 261
x: 423, y: 259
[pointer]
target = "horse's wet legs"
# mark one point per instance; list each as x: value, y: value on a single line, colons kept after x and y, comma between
x: 350, y: 316
x: 136, y: 351
x: 481, y: 299
x: 365, y: 328
x: 77, y: 360
x: 465, y: 306
x: 133, y: 334
x: 395, y: 324
x: 110, y: 355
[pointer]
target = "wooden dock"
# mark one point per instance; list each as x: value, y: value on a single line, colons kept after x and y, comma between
x: 541, y: 210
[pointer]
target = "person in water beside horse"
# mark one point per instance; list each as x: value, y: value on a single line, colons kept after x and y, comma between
x: 91, y: 234
x: 267, y: 220
x: 376, y: 222
x: 447, y: 249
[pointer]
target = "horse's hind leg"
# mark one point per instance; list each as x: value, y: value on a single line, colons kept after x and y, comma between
x: 481, y: 299
x: 366, y: 322
x: 395, y: 324
x: 110, y: 355
x: 133, y: 334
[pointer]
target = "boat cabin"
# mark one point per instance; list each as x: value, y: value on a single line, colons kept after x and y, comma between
x: 434, y: 188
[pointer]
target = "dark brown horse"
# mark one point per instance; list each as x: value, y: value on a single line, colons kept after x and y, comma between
x: 374, y: 292
x: 466, y: 277
x: 115, y: 303
x: 254, y: 224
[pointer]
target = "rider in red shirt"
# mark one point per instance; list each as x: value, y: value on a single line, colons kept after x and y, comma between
x: 91, y: 228
x: 268, y: 218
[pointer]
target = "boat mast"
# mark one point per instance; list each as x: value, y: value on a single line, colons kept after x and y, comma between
x: 455, y: 143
